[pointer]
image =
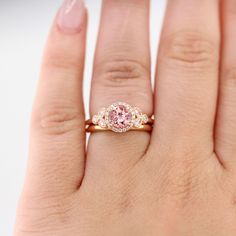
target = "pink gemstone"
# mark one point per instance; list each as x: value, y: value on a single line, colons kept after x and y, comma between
x: 120, y: 117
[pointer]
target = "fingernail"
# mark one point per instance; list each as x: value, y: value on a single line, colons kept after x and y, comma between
x: 71, y: 16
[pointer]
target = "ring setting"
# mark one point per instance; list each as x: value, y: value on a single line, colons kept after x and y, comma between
x: 120, y: 117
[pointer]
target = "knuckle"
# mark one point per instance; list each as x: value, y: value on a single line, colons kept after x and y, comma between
x: 58, y: 120
x: 127, y: 197
x: 181, y: 181
x: 127, y: 80
x: 121, y: 200
x: 121, y: 74
x: 189, y: 50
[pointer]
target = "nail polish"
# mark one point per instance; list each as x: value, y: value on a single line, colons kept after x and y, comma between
x: 71, y: 16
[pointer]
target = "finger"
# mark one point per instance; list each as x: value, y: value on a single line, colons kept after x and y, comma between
x: 187, y: 75
x: 121, y: 73
x: 226, y: 118
x: 57, y: 139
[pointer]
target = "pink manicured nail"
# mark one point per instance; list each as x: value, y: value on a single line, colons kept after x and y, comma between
x: 71, y: 16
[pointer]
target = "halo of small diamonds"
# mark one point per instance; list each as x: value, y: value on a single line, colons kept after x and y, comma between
x: 120, y: 117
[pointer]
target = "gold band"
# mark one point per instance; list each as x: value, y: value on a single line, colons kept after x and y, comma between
x: 150, y: 121
x: 97, y: 128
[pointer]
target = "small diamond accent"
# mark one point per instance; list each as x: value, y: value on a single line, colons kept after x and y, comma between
x: 102, y: 123
x: 95, y: 119
x: 145, y: 118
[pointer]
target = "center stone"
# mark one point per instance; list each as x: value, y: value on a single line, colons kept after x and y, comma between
x: 120, y: 117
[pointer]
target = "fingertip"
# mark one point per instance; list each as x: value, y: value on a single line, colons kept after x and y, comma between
x: 71, y: 16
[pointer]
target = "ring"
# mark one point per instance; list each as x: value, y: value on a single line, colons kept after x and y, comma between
x: 119, y: 117
x: 97, y: 128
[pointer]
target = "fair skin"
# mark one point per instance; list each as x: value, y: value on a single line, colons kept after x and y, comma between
x: 180, y: 179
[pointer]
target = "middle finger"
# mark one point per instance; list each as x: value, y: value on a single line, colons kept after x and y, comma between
x: 187, y: 71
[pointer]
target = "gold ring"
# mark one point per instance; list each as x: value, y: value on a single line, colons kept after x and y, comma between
x: 97, y: 128
x: 120, y: 117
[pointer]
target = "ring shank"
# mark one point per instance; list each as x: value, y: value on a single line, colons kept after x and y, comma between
x: 150, y: 121
x: 97, y: 128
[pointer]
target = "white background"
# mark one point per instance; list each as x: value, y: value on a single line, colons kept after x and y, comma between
x: 23, y: 30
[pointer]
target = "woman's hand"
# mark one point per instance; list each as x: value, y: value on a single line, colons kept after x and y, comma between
x: 181, y: 179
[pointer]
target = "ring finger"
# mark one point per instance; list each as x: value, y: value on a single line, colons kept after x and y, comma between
x: 121, y: 73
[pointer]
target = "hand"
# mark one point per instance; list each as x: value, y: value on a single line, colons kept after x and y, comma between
x: 181, y: 179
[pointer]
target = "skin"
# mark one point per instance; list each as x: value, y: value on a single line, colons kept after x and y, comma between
x: 179, y: 180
